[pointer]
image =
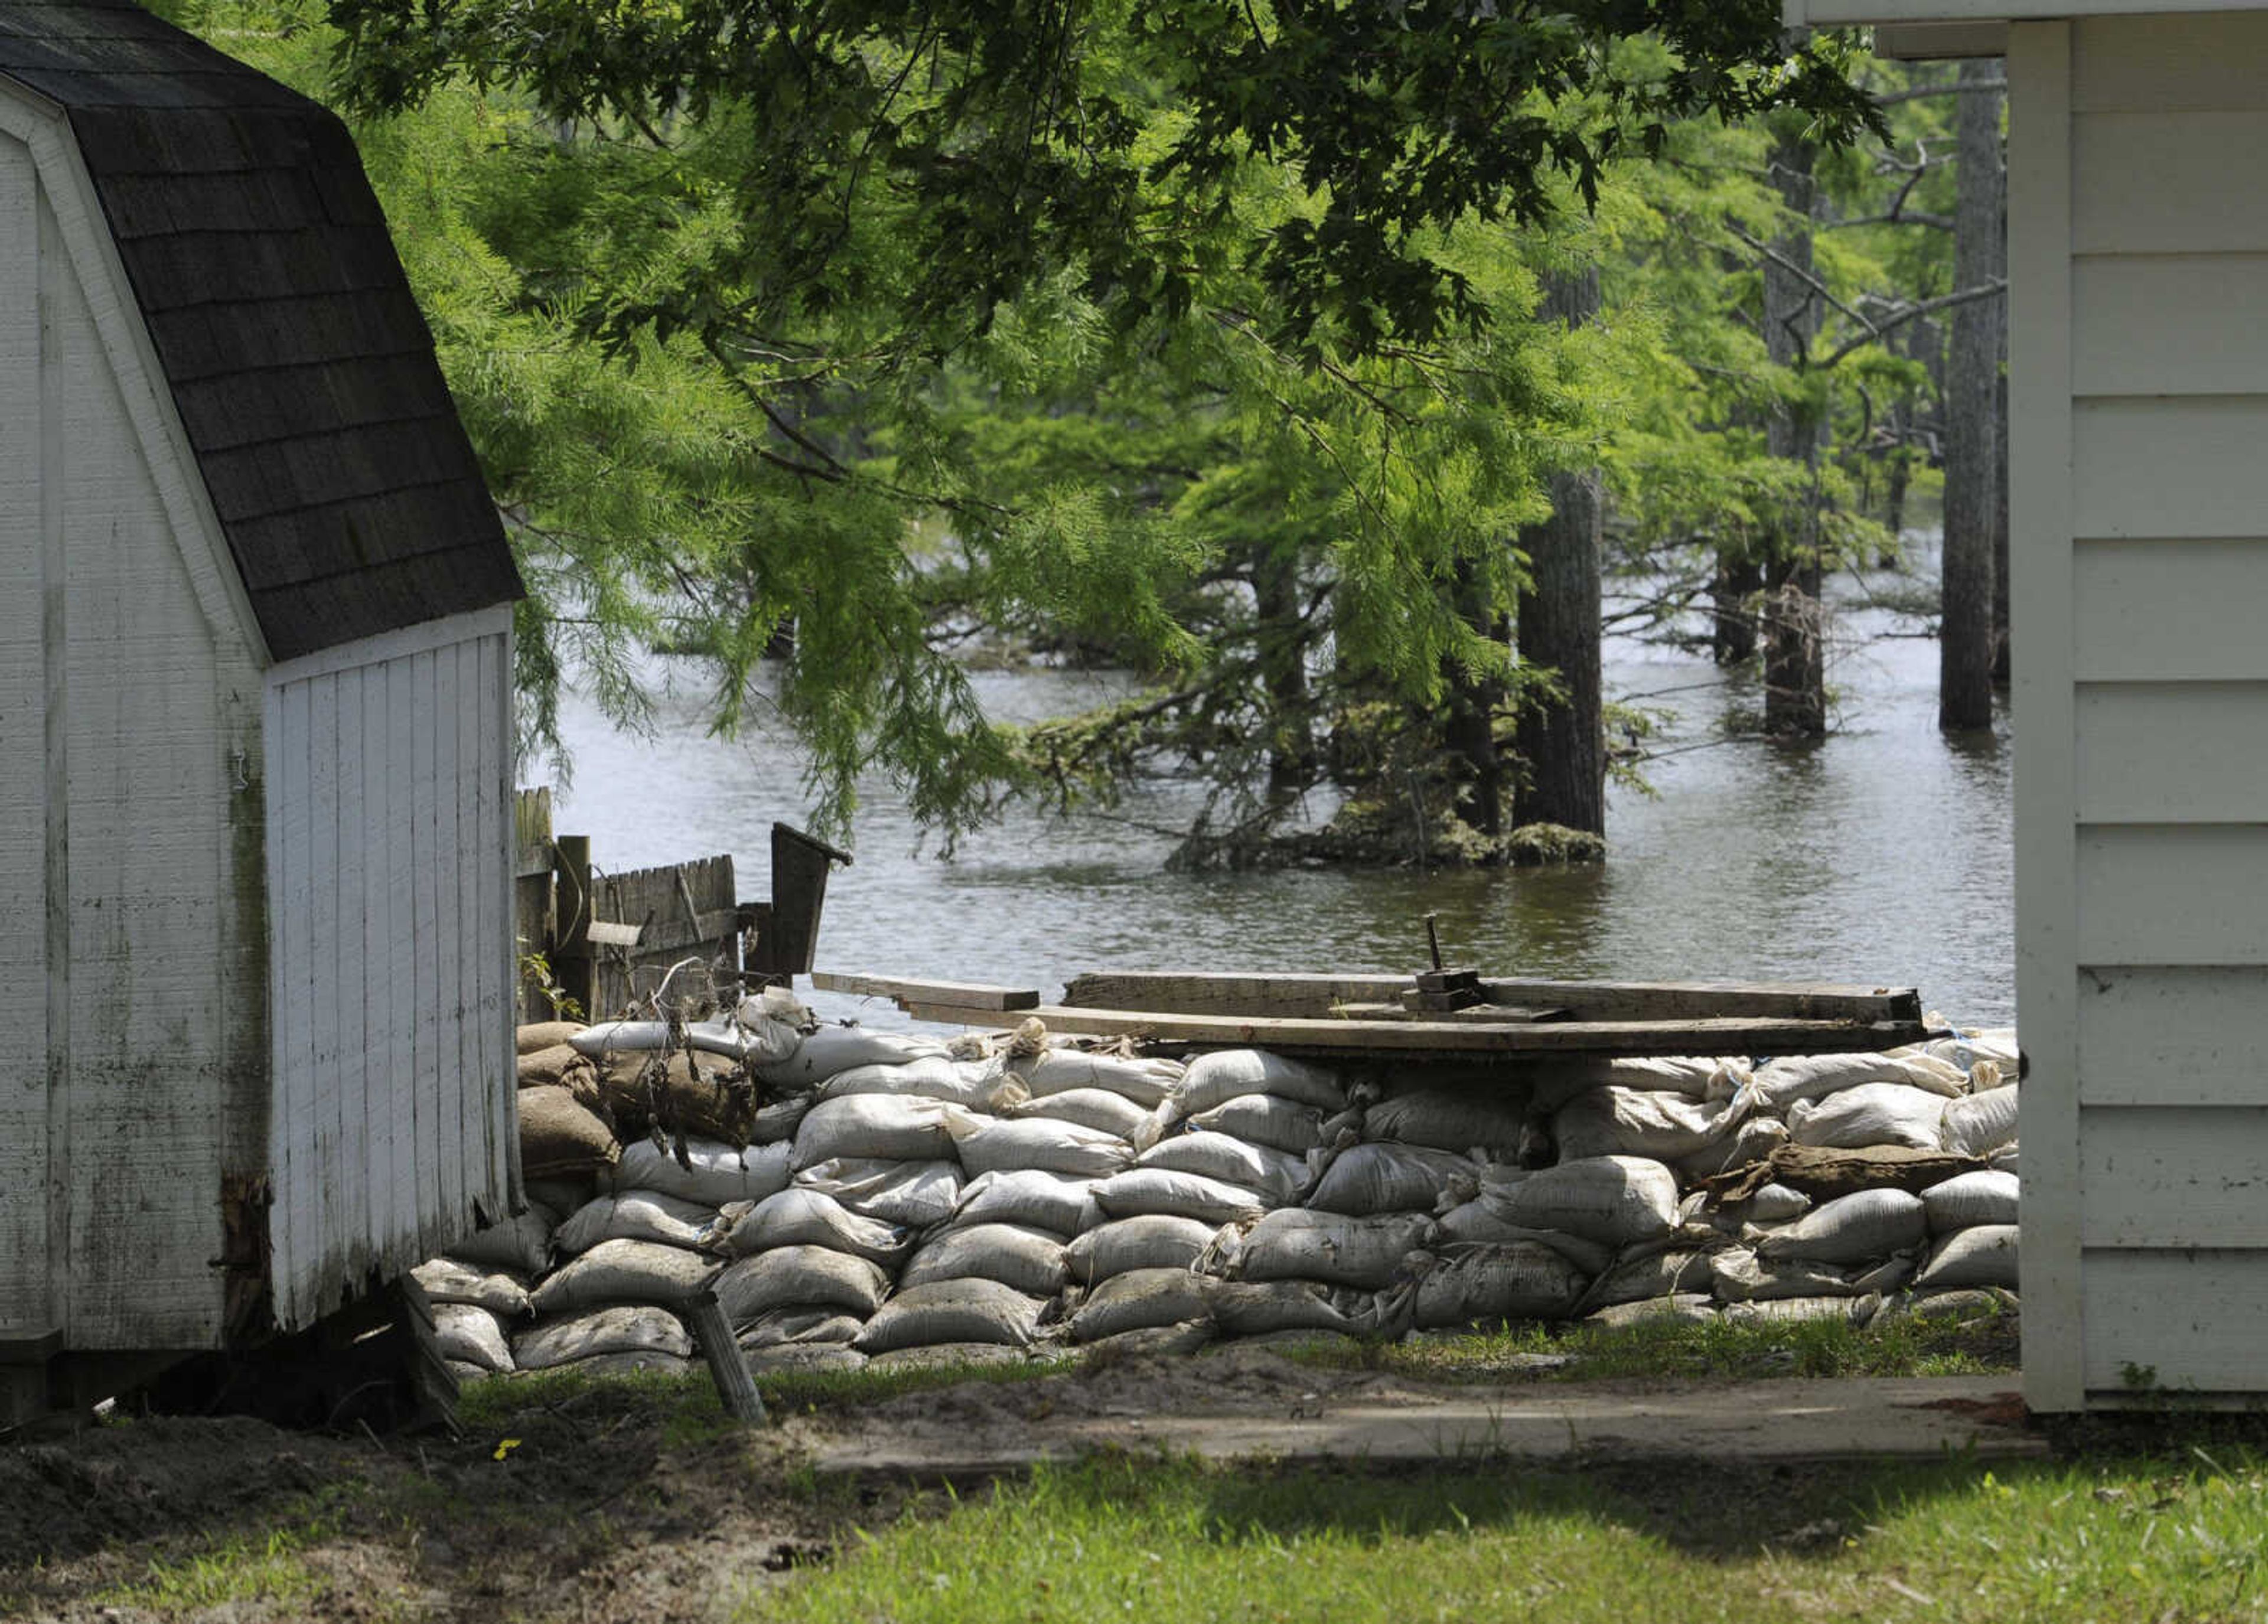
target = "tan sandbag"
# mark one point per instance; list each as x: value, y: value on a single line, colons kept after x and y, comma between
x: 626, y: 1328
x: 539, y: 1035
x: 444, y: 1279
x: 464, y: 1332
x: 703, y: 1095
x: 557, y: 1135
x: 625, y: 1271
x: 553, y: 1065
x: 1823, y: 1174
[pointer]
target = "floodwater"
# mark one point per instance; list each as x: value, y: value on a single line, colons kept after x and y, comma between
x: 1880, y: 855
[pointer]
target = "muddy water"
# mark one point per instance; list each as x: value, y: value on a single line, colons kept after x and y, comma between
x: 1879, y: 854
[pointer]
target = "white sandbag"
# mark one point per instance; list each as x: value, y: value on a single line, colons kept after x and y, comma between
x: 1783, y: 1083
x: 1155, y: 1240
x: 1612, y: 1120
x: 1964, y: 1049
x: 635, y: 1214
x: 778, y: 1121
x: 625, y: 1329
x: 1752, y: 1141
x: 1654, y: 1275
x: 522, y: 1243
x: 444, y: 1279
x: 1097, y: 1108
x: 952, y: 1310
x: 1038, y: 1144
x: 1265, y: 1119
x: 949, y: 1356
x: 800, y: 1277
x: 1613, y: 1200
x: 1029, y: 1260
x: 808, y: 1327
x: 1981, y: 1123
x: 533, y: 1037
x: 470, y: 1334
x: 1774, y: 1203
x: 1242, y: 1308
x: 1393, y: 1178
x: 1140, y: 1190
x: 1787, y: 1310
x: 716, y: 1173
x: 1737, y: 1274
x: 804, y: 1359
x: 1850, y: 1229
x: 1972, y: 1198
x: 916, y: 1195
x: 896, y: 1127
x: 1963, y: 1304
x: 802, y: 1216
x: 1481, y: 1220
x: 1144, y: 1082
x: 1061, y: 1205
x: 978, y: 1085
x: 1141, y: 1299
x: 1695, y: 1077
x: 2005, y: 1159
x: 1228, y: 1073
x: 1688, y: 1306
x: 1276, y: 1175
x: 1164, y: 1341
x: 762, y: 1042
x: 1868, y: 1115
x: 1519, y: 1281
x: 624, y: 1271
x: 1298, y: 1243
x: 1984, y: 1254
x: 1447, y: 1120
x: 833, y: 1049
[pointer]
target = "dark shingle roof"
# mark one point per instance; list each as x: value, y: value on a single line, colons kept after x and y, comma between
x: 302, y: 369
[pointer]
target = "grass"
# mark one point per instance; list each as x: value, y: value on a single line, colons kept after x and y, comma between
x: 1120, y: 1537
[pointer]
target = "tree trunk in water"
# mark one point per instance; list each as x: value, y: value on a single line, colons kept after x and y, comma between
x: 1468, y: 729
x: 1562, y: 743
x: 1965, y: 688
x: 1283, y: 657
x: 1795, y: 668
x: 1738, y: 581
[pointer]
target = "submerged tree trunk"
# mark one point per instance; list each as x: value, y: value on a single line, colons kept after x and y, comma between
x: 1795, y: 663
x: 1561, y: 743
x: 1964, y: 689
x: 1733, y: 594
x: 1283, y: 657
x: 1469, y: 727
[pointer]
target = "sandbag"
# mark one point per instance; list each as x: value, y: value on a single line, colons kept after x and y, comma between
x: 1481, y: 1220
x: 1242, y: 1308
x: 1823, y: 1174
x: 1971, y: 1199
x: 1737, y: 1274
x: 916, y: 1195
x: 1612, y: 1120
x: 1029, y: 1260
x: 470, y: 1334
x: 1688, y: 1306
x: 1393, y: 1178
x: 801, y: 1216
x: 1266, y: 1120
x: 444, y: 1279
x: 704, y: 1095
x: 1142, y: 1299
x: 1299, y: 1244
x: 1445, y: 1119
x: 624, y: 1271
x: 1850, y: 1229
x: 566, y: 1194
x: 637, y: 1215
x: 893, y: 1128
x: 810, y: 1328
x: 1228, y: 1073
x: 1155, y: 1240
x: 1038, y: 1144
x: 1144, y: 1082
x: 978, y: 1085
x: 628, y: 1328
x: 1783, y: 1083
x: 1695, y: 1077
x: 522, y: 1242
x: 1868, y: 1114
x: 557, y: 1135
x: 1859, y: 1310
x: 554, y: 1065
x: 1042, y: 1201
x: 1775, y: 1203
x: 1654, y: 1275
x: 537, y: 1036
x: 833, y: 1049
x: 1518, y: 1280
x: 949, y: 1356
x: 801, y: 1360
x: 1752, y: 1141
x: 1276, y: 1175
x: 759, y: 1040
x: 1140, y: 1190
x: 1964, y: 1049
x: 1097, y: 1108
x: 779, y: 1119
x: 952, y: 1310
x: 1614, y: 1200
x: 711, y: 1174
x: 800, y: 1277
x: 1962, y: 1303
x: 1980, y: 1123
x: 1983, y: 1254
x: 2005, y: 1159
x: 1163, y: 1342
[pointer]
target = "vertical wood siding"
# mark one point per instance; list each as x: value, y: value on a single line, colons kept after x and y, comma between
x: 2145, y: 740
x: 390, y: 816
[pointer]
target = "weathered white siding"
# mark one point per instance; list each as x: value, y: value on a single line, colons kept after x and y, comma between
x: 389, y: 766
x: 128, y: 690
x: 2139, y: 397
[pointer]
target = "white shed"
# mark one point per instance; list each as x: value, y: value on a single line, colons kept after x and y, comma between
x: 255, y: 724
x: 2138, y: 376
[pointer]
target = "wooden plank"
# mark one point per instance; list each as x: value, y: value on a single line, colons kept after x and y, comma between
x: 2172, y: 894
x: 1483, y: 1013
x: 389, y: 1217
x: 962, y: 994
x: 406, y: 844
x: 2173, y: 1035
x: 2183, y: 611
x: 437, y: 935
x: 296, y: 1217
x: 531, y: 823
x: 1307, y: 1035
x: 2189, y: 467
x: 476, y: 940
x: 2167, y: 64
x: 493, y: 811
x: 2191, y: 1319
x: 339, y: 1165
x: 2172, y: 753
x: 2169, y: 325
x: 2040, y: 501
x: 1202, y: 993
x: 2162, y: 1176
x: 54, y: 284
x: 2168, y: 183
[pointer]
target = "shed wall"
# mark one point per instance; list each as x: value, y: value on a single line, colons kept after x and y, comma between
x: 390, y: 841
x: 2139, y: 412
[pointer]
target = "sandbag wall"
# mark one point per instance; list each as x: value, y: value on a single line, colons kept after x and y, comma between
x: 897, y: 1199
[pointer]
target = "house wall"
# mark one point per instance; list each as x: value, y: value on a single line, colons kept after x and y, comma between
x: 2139, y: 465
x: 389, y: 850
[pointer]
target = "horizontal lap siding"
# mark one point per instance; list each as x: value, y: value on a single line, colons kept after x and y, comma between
x: 2168, y: 534
x: 393, y: 1075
